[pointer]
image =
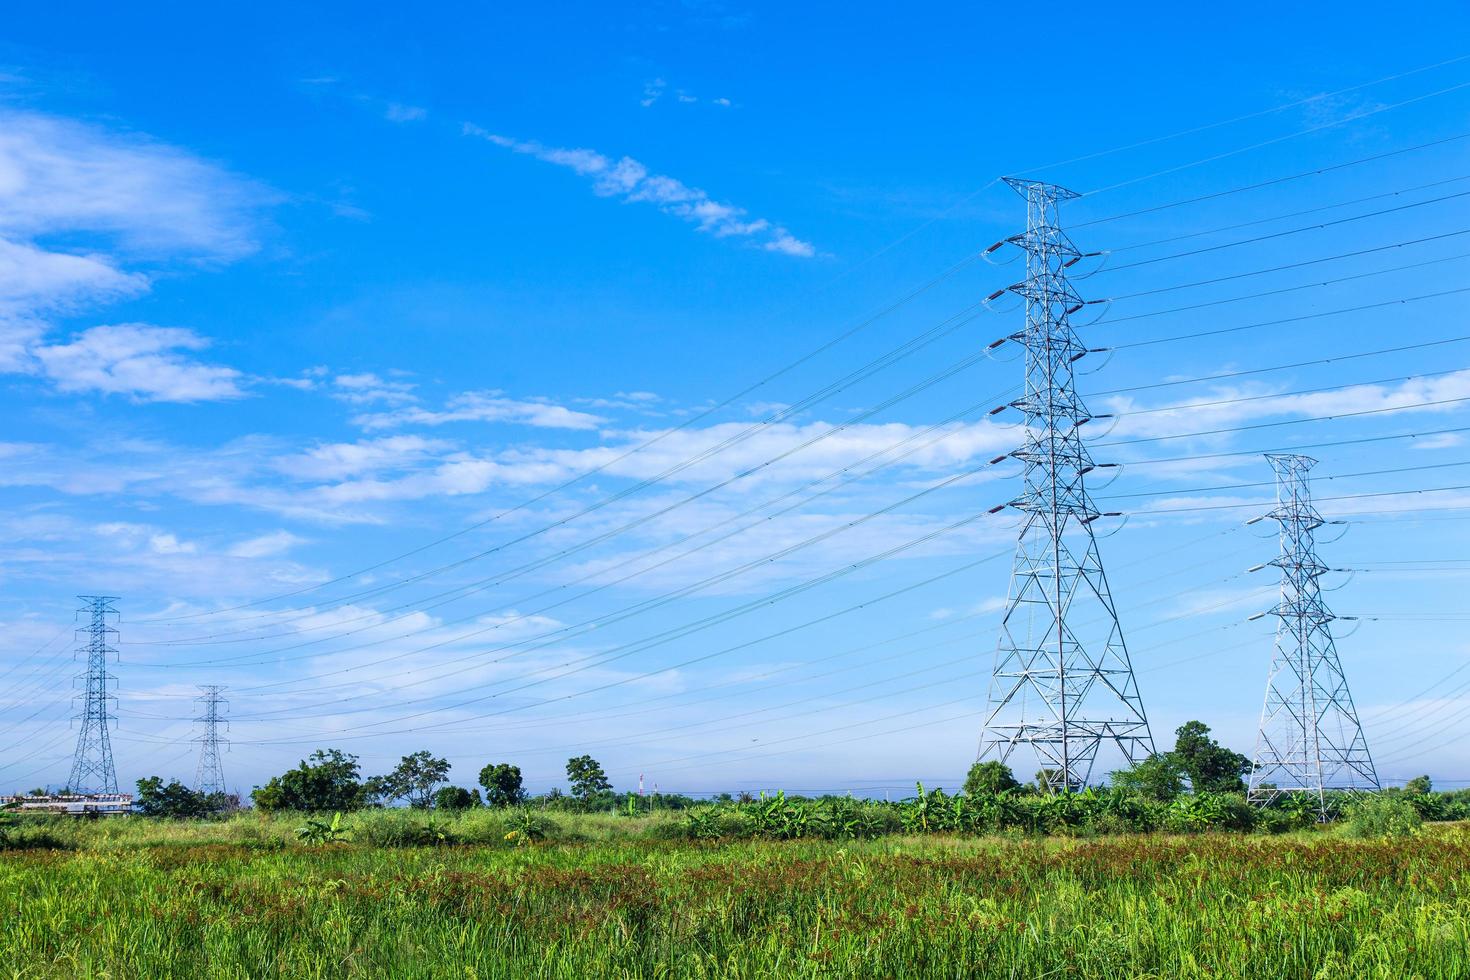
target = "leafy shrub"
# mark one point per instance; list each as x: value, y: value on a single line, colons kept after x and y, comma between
x: 33, y: 837
x: 400, y: 828
x: 1379, y: 815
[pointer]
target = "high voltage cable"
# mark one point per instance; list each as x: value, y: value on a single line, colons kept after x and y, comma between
x: 1350, y: 496
x: 1270, y: 425
x: 728, y: 481
x: 543, y: 609
x: 416, y: 578
x: 1270, y: 142
x: 1240, y: 399
x: 419, y: 607
x: 686, y: 663
x: 1136, y: 145
x: 679, y: 632
x: 938, y: 626
x: 1186, y: 544
x: 1290, y: 319
x: 34, y: 654
x: 1114, y: 250
x: 657, y: 601
x: 1276, y: 268
x: 1242, y: 118
x: 687, y: 423
x: 1272, y: 483
x: 1277, y: 234
x: 1151, y: 625
x: 400, y: 687
x: 1111, y: 321
x: 1226, y: 375
x: 1381, y: 437
x: 950, y: 325
x: 681, y: 426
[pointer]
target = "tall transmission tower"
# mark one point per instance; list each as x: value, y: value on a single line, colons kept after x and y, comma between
x: 209, y: 777
x: 91, y: 768
x: 1310, y: 739
x: 1063, y: 684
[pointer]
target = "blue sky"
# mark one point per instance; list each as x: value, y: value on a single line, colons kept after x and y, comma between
x: 290, y: 293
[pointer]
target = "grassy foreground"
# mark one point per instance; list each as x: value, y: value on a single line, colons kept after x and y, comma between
x: 135, y: 898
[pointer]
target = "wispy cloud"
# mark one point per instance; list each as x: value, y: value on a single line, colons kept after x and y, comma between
x: 113, y: 199
x: 400, y: 113
x: 631, y: 181
x: 486, y: 406
x: 368, y: 388
x: 144, y: 362
x: 59, y: 176
x: 655, y: 89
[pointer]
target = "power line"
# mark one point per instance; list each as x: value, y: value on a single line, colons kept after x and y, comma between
x: 1279, y: 234
x: 1275, y: 180
x: 1282, y: 217
x: 1274, y: 268
x: 687, y: 423
x: 1113, y: 321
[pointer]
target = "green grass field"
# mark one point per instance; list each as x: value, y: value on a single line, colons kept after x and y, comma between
x: 243, y: 898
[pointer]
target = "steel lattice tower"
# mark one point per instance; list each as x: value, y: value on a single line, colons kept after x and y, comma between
x: 91, y: 769
x: 209, y: 777
x: 1310, y: 738
x: 1062, y: 683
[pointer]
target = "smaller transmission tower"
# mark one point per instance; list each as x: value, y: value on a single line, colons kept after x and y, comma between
x: 1310, y: 739
x: 91, y: 768
x: 209, y: 778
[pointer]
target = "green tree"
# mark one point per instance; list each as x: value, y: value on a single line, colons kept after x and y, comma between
x: 1419, y: 786
x: 456, y: 798
x: 414, y: 779
x: 990, y: 777
x: 327, y: 780
x: 1210, y: 766
x: 176, y: 800
x: 587, y: 778
x: 502, y: 782
x: 1159, y: 777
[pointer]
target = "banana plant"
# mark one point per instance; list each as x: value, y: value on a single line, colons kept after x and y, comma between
x: 316, y: 831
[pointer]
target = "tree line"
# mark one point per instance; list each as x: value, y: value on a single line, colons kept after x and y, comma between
x: 331, y: 780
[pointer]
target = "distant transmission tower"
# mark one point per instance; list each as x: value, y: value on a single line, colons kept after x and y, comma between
x: 209, y: 778
x: 1310, y: 739
x: 1062, y: 683
x: 91, y: 769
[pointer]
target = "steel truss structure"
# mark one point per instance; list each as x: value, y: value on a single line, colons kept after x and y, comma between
x: 92, y: 769
x: 1062, y: 685
x: 209, y: 776
x: 1310, y: 738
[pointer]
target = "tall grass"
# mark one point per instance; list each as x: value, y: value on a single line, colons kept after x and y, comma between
x: 242, y: 898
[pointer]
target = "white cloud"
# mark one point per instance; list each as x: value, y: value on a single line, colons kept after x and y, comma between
x: 631, y: 180
x: 137, y: 360
x: 652, y: 92
x: 486, y: 406
x: 398, y: 112
x: 266, y: 545
x: 32, y: 278
x: 340, y: 460
x: 126, y: 197
x: 168, y: 544
x: 1445, y: 440
x: 60, y: 176
x: 366, y: 388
